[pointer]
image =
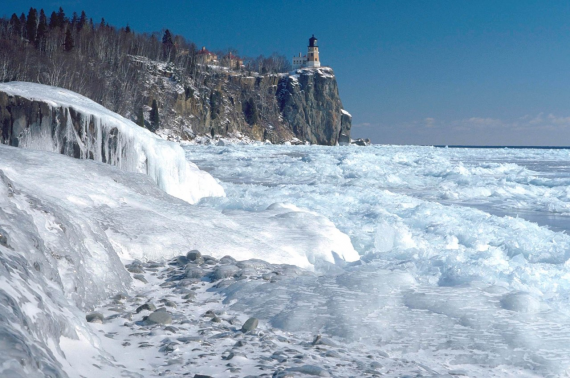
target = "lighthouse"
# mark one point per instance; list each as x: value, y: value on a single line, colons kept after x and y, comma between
x: 313, y: 53
x: 311, y: 59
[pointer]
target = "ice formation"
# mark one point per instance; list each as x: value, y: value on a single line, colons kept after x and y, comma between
x: 446, y: 284
x: 66, y: 224
x: 105, y: 136
x: 453, y: 272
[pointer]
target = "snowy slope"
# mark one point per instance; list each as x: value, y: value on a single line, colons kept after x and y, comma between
x: 66, y: 224
x: 106, y: 136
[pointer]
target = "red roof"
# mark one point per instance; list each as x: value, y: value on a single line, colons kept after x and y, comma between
x: 204, y: 51
x: 233, y: 57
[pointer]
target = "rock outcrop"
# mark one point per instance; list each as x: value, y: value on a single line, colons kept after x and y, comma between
x: 304, y: 104
x: 311, y: 106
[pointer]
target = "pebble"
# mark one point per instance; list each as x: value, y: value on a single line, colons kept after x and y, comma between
x: 146, y: 306
x: 94, y: 317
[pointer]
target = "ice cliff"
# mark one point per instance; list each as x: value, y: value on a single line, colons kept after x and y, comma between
x: 53, y: 119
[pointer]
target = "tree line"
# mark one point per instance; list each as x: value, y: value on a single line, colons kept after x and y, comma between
x: 95, y: 58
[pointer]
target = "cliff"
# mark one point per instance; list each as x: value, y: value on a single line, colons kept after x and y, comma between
x: 303, y: 105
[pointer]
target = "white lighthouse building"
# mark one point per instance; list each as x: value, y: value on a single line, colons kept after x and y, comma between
x: 311, y: 59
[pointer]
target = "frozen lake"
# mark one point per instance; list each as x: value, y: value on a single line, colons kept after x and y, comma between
x: 466, y: 250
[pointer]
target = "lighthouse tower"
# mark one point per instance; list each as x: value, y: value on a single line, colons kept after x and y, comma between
x: 313, y: 54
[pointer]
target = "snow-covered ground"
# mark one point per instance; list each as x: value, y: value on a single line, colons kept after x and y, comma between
x: 447, y: 278
x: 377, y: 261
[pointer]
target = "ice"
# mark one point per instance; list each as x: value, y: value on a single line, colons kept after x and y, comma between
x: 135, y: 149
x: 444, y: 278
x: 443, y: 282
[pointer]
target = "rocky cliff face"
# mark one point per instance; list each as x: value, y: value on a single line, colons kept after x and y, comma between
x: 303, y: 105
x: 311, y: 106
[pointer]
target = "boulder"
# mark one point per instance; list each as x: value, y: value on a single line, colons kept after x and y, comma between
x: 250, y: 325
x: 159, y: 317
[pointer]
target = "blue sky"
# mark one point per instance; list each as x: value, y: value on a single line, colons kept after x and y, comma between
x: 410, y: 72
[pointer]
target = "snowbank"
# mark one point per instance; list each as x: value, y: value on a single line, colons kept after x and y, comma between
x: 103, y: 135
x: 66, y: 224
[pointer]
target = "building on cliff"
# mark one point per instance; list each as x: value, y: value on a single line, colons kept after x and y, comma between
x: 207, y: 57
x: 311, y: 59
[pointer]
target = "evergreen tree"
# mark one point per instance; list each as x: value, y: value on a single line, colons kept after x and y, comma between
x: 42, y: 31
x: 154, y: 118
x: 102, y: 25
x: 32, y: 25
x: 23, y: 32
x: 68, y: 43
x: 168, y: 49
x: 53, y: 20
x: 82, y: 21
x: 15, y: 25
x: 75, y: 21
x: 128, y: 29
x: 61, y: 19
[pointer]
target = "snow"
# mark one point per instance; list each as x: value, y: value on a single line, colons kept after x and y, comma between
x: 448, y: 279
x: 463, y: 263
x: 70, y: 224
x: 345, y: 112
x: 137, y: 149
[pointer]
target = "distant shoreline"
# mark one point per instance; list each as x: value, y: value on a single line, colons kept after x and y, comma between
x: 509, y: 147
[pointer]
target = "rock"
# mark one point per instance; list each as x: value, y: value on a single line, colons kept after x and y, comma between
x: 376, y: 365
x: 220, y: 143
x: 195, y: 257
x: 250, y: 325
x: 310, y: 101
x: 225, y: 271
x: 458, y: 372
x: 171, y: 329
x: 209, y: 314
x: 181, y: 260
x: 228, y: 260
x: 159, y: 317
x: 361, y: 142
x: 94, y: 317
x: 202, y: 376
x: 209, y: 260
x: 194, y: 272
x: 168, y: 303
x: 120, y: 297
x: 343, y: 140
x: 189, y: 296
x: 135, y: 269
x: 253, y: 263
x: 215, y: 319
x: 311, y: 370
x: 146, y: 307
x: 141, y: 278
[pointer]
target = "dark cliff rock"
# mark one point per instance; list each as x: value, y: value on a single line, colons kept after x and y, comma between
x: 304, y: 104
x: 277, y: 107
x: 311, y: 106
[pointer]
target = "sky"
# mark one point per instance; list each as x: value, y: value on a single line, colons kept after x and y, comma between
x: 410, y: 72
